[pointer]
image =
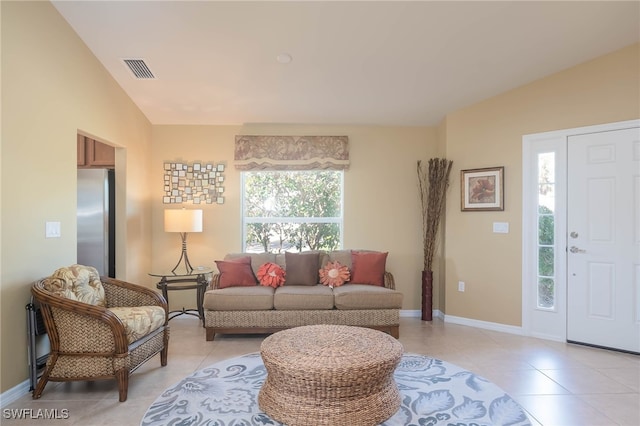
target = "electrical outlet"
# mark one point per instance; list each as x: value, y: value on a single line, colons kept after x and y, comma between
x: 460, y: 285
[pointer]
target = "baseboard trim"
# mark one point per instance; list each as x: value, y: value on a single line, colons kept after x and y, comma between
x: 14, y: 393
x: 493, y: 326
x: 406, y: 313
x: 548, y: 337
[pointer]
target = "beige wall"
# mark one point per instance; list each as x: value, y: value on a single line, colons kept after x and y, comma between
x: 53, y: 88
x: 381, y: 196
x: 489, y: 133
x: 439, y: 262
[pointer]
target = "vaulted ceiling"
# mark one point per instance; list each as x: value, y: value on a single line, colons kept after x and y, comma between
x: 358, y: 62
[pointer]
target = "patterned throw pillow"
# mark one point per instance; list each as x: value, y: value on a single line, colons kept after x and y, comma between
x: 334, y: 274
x: 77, y: 282
x: 271, y: 275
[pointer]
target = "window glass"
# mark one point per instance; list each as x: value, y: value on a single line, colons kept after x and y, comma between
x: 546, y: 292
x: 546, y: 230
x: 292, y: 210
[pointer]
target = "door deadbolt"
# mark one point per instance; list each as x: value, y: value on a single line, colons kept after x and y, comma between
x: 574, y: 234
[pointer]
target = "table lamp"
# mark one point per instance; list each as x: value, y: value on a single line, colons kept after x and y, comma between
x: 183, y: 221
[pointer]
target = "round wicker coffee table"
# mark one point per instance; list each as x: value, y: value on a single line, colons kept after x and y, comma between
x: 330, y: 375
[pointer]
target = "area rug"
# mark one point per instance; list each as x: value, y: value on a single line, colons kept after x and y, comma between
x: 433, y: 392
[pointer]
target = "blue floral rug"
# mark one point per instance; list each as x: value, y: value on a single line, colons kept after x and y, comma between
x: 433, y: 392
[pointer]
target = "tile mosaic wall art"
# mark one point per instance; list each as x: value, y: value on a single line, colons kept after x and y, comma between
x: 197, y: 183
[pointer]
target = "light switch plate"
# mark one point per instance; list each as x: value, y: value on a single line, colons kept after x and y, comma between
x: 52, y: 230
x: 500, y: 227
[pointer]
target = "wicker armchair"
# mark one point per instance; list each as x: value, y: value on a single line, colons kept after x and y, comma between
x: 91, y: 342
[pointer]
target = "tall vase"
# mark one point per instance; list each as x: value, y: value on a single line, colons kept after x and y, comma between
x: 427, y: 295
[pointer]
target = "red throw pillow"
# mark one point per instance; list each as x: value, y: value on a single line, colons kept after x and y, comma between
x: 368, y: 267
x: 271, y: 274
x: 236, y: 273
x: 334, y: 274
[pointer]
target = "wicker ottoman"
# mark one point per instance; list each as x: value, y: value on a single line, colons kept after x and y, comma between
x: 330, y: 375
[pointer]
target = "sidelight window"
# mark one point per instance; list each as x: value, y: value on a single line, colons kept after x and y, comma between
x: 546, y: 231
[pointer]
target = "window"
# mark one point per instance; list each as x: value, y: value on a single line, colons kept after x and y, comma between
x: 544, y: 236
x: 546, y: 231
x: 292, y: 210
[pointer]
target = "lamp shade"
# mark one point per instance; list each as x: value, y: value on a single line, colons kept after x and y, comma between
x: 182, y: 220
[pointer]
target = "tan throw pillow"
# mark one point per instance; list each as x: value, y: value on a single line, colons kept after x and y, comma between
x: 302, y: 268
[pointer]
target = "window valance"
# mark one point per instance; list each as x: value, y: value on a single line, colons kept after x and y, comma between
x: 291, y: 152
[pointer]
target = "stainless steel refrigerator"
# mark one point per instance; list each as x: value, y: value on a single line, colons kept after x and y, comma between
x: 96, y: 220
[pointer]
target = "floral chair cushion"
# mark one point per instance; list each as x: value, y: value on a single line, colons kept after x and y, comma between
x: 139, y: 320
x: 77, y: 282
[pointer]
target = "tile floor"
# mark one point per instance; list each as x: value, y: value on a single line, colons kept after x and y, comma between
x: 557, y: 383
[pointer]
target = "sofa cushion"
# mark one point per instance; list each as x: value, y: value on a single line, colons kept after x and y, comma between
x: 236, y: 272
x: 254, y: 298
x: 368, y: 267
x: 342, y: 256
x: 302, y: 268
x: 362, y: 296
x: 292, y: 297
x: 139, y: 321
x: 257, y: 259
x: 77, y: 282
x: 280, y: 260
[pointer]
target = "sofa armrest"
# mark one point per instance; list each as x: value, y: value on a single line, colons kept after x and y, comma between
x: 389, y: 282
x: 215, y: 282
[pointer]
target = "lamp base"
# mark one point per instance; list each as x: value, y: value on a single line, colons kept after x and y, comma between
x: 183, y: 256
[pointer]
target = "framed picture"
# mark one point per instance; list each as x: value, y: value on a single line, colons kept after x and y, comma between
x: 482, y: 189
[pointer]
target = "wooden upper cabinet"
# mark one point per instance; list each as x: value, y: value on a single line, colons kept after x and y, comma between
x: 92, y: 153
x: 99, y: 154
x: 82, y: 151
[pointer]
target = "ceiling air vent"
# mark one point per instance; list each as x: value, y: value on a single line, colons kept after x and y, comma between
x: 139, y: 68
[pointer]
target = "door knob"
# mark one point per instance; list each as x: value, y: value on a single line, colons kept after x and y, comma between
x: 575, y: 249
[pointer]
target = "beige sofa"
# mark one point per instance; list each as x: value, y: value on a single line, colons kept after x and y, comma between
x: 258, y: 309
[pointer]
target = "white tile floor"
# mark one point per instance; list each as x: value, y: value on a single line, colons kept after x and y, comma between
x: 557, y: 383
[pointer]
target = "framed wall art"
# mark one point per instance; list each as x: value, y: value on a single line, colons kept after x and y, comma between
x: 482, y: 189
x: 197, y: 183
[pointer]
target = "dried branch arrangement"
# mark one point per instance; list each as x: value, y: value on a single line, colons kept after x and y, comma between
x: 433, y: 181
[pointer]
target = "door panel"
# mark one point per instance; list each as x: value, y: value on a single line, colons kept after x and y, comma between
x: 601, y: 290
x: 601, y: 201
x: 603, y: 254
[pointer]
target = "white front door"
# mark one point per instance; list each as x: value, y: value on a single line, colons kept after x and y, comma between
x: 603, y: 227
